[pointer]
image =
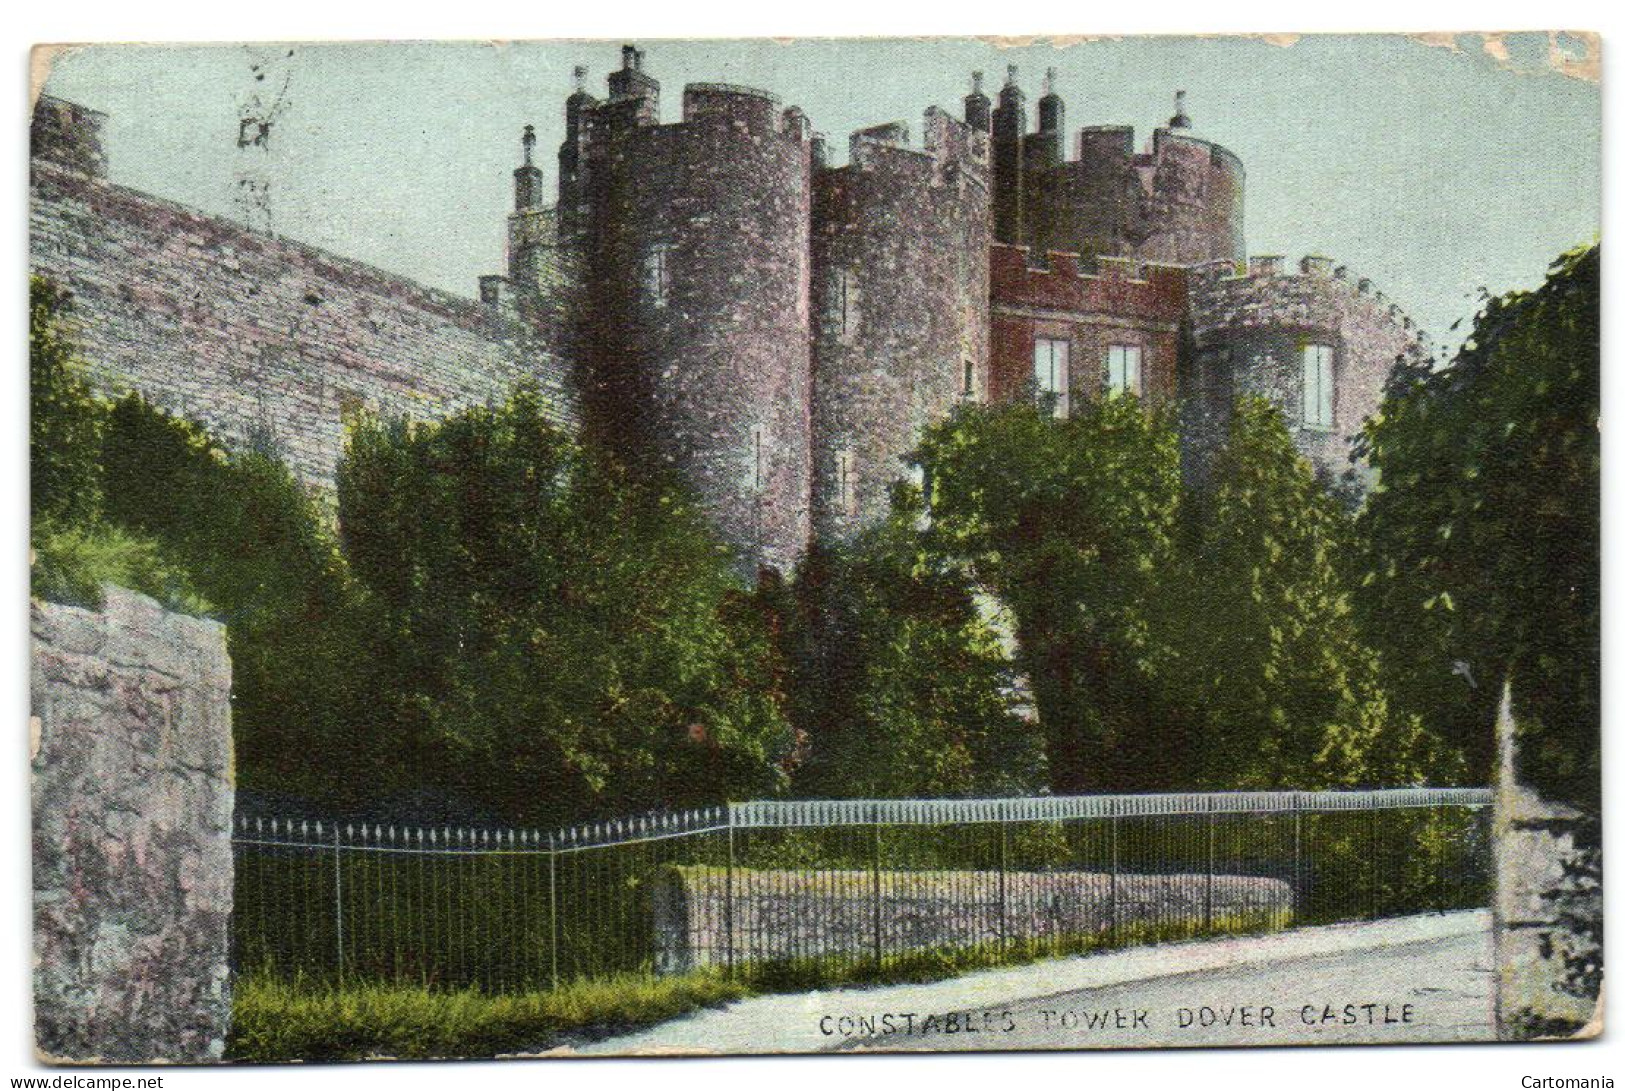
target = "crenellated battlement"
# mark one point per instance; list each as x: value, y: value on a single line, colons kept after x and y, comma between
x: 695, y: 275
x: 1315, y: 291
x: 954, y: 153
x: 1179, y: 201
x: 1062, y: 281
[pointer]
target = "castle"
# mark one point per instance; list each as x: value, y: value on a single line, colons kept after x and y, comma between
x: 716, y: 297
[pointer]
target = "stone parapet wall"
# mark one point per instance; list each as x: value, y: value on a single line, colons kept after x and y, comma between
x: 263, y: 339
x: 783, y: 914
x: 132, y: 797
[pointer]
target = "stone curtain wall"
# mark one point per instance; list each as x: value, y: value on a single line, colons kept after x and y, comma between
x: 1533, y: 839
x: 260, y: 338
x: 799, y: 914
x: 132, y: 794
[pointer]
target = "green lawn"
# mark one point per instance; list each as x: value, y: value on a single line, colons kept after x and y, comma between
x: 281, y: 1019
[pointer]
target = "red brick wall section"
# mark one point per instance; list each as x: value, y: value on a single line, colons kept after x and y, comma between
x: 1124, y: 304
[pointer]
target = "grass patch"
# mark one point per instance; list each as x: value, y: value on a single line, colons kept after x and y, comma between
x: 276, y: 1019
x: 282, y: 1019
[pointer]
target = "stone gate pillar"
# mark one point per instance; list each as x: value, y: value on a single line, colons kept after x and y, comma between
x: 1533, y: 839
x: 132, y: 792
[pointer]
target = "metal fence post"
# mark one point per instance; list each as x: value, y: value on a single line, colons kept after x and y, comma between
x: 1113, y: 889
x: 1004, y: 868
x: 1372, y: 856
x: 338, y: 900
x: 1297, y: 862
x: 553, y: 909
x: 728, y: 898
x: 874, y: 813
x: 1212, y: 833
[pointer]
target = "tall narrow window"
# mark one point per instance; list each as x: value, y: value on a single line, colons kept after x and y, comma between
x: 1122, y: 370
x: 659, y: 273
x: 758, y: 457
x: 1319, y: 386
x: 969, y: 387
x: 1051, y: 372
x: 846, y: 482
x: 844, y: 302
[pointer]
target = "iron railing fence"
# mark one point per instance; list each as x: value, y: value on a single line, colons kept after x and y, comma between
x: 827, y: 889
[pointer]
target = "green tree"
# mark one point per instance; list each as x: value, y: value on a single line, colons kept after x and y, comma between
x: 1483, y: 533
x: 76, y: 550
x: 571, y: 640
x: 900, y: 684
x: 64, y: 416
x: 260, y: 550
x: 1485, y: 559
x: 1072, y: 523
x: 1272, y: 668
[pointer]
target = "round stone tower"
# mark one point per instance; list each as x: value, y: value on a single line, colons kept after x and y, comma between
x: 1180, y: 202
x: 1197, y: 192
x: 1311, y: 337
x: 695, y: 323
x: 900, y: 304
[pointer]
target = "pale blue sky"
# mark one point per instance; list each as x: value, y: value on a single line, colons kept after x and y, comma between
x: 1431, y: 170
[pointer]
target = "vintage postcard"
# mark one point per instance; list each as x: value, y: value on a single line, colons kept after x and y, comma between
x: 557, y: 548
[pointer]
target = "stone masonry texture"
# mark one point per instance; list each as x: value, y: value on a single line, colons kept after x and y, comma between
x: 778, y: 915
x: 1534, y: 838
x: 1248, y: 332
x: 694, y: 325
x: 132, y: 796
x: 900, y: 298
x: 262, y: 339
x: 714, y: 299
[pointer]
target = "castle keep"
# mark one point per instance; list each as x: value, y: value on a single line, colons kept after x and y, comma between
x: 716, y: 298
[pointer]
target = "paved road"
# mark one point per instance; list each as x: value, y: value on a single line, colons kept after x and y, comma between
x: 1414, y: 979
x: 1430, y: 991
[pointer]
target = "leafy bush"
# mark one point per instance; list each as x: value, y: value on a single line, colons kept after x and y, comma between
x: 1072, y: 523
x: 1484, y: 553
x: 64, y: 416
x: 899, y: 684
x: 76, y: 548
x: 73, y: 564
x: 573, y: 639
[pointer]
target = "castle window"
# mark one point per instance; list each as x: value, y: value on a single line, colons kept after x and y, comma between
x: 758, y: 457
x: 1123, y: 370
x: 1319, y: 386
x: 846, y: 482
x: 844, y: 303
x: 659, y: 273
x: 969, y: 388
x: 1050, y: 370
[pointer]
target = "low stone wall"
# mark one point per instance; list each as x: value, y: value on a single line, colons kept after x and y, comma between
x: 783, y: 914
x: 132, y: 794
